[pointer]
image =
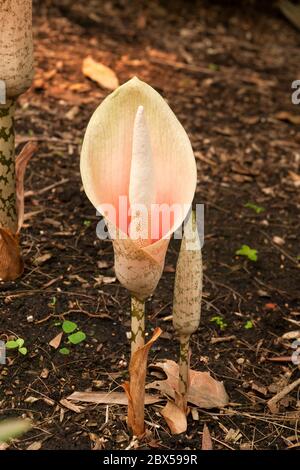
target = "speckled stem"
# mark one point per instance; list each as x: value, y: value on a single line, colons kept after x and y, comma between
x: 184, y: 367
x: 137, y: 324
x: 8, y: 212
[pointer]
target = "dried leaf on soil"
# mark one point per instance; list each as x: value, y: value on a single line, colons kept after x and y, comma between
x: 100, y: 73
x: 204, y: 391
x: 135, y: 389
x: 35, y: 445
x: 206, y: 439
x: 70, y: 406
x: 289, y: 117
x: 109, y: 398
x: 55, y: 342
x: 175, y: 418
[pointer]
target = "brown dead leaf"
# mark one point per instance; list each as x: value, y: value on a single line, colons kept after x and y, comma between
x: 233, y: 435
x: 42, y: 259
x: 45, y: 373
x: 55, y: 342
x: 204, y: 391
x: 11, y: 263
x: 110, y: 398
x: 99, y: 73
x: 35, y: 445
x: 289, y: 117
x: 291, y: 335
x: 70, y: 406
x: 295, y: 178
x: 135, y: 389
x: 99, y: 442
x: 206, y: 439
x: 175, y: 418
x: 278, y: 240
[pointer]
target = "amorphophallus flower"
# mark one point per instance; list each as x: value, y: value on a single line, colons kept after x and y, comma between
x: 138, y: 170
x: 187, y: 300
x: 16, y: 71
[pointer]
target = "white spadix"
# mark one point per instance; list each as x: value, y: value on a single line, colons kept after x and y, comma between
x: 142, y: 181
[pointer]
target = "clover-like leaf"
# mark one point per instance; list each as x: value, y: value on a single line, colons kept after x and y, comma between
x: 255, y: 208
x: 12, y: 345
x: 248, y: 252
x: 23, y: 351
x: 64, y: 351
x: 77, y: 337
x: 69, y: 326
x: 20, y: 342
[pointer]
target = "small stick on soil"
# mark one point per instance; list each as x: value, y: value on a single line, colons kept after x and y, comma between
x: 272, y: 403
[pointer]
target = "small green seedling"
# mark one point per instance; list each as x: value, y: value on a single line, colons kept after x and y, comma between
x: 218, y: 320
x: 64, y: 351
x: 248, y: 325
x: 17, y: 344
x: 255, y: 208
x: 74, y: 337
x: 248, y: 252
x: 213, y: 67
x: 87, y: 223
x: 69, y: 326
x: 53, y: 301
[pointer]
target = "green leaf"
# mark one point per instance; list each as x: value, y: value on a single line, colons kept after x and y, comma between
x: 20, y: 342
x: 77, y: 338
x: 87, y: 223
x: 213, y: 67
x: 12, y: 345
x: 69, y: 326
x: 257, y: 209
x: 53, y: 301
x: 64, y: 351
x: 23, y: 351
x: 248, y: 325
x: 250, y: 253
x: 218, y: 320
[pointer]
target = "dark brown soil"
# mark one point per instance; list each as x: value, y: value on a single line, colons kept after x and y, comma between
x: 226, y: 71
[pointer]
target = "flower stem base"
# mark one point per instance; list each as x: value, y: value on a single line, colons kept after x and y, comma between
x: 137, y: 324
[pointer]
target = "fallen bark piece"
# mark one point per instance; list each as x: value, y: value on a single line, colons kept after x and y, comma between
x: 206, y: 439
x: 175, y: 418
x: 204, y: 391
x: 110, y: 398
x: 55, y: 342
x: 274, y: 402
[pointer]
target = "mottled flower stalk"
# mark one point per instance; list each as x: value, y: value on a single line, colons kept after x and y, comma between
x: 187, y: 301
x: 184, y: 366
x: 8, y: 213
x: 137, y: 324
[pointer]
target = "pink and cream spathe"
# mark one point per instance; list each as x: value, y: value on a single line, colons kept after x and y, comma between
x: 135, y: 147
